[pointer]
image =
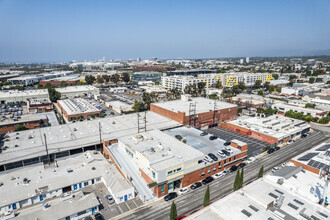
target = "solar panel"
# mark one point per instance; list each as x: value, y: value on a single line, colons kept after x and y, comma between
x: 327, y: 153
x: 307, y: 156
x: 276, y: 190
x: 323, y: 148
x: 248, y: 214
x: 322, y: 214
x: 253, y: 208
x: 273, y: 195
x: 315, y: 218
x: 299, y: 202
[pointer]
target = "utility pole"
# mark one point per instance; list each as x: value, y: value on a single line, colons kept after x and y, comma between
x: 215, y: 102
x: 100, y: 137
x: 47, y: 149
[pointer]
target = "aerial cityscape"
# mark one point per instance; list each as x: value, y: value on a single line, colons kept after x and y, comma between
x: 165, y: 110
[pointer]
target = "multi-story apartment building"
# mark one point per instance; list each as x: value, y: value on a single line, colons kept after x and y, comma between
x: 231, y: 79
x: 180, y: 82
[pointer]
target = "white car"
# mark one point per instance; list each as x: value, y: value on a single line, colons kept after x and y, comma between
x: 184, y: 190
x: 208, y: 159
x: 251, y: 160
x: 226, y: 172
x: 218, y: 175
x: 221, y: 154
x: 275, y: 169
x: 228, y: 149
x: 283, y: 164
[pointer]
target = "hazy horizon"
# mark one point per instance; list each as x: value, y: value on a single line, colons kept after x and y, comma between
x: 62, y: 31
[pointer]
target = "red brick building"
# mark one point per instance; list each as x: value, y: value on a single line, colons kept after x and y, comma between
x: 28, y: 121
x: 38, y: 105
x: 160, y: 68
x: 77, y: 109
x: 197, y: 112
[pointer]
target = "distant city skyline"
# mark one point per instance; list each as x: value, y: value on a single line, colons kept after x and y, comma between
x: 55, y: 31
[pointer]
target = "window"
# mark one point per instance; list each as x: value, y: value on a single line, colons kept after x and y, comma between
x: 178, y: 169
x: 203, y: 172
x: 169, y: 172
x: 234, y: 157
x: 208, y: 169
x: 153, y: 174
x: 229, y: 159
x: 163, y: 188
x: 98, y: 179
x: 219, y: 165
x: 214, y: 167
x: 85, y: 183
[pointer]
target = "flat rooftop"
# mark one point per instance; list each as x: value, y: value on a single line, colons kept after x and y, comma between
x: 36, y: 101
x: 84, y: 166
x: 201, y: 143
x: 77, y: 106
x: 277, y: 126
x: 202, y: 105
x: 22, y: 93
x: 59, y: 208
x: 296, y: 108
x: 76, y: 89
x: 297, y: 196
x: 23, y: 119
x: 161, y: 150
x: 317, y: 157
x: 74, y: 77
x: 76, y: 135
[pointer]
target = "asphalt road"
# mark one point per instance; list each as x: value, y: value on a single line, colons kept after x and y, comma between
x: 223, y: 186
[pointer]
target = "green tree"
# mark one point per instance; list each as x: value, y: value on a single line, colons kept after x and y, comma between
x: 311, y: 80
x: 207, y: 197
x: 20, y: 128
x: 138, y: 106
x: 213, y: 96
x: 266, y: 85
x: 218, y: 84
x: 324, y: 120
x: 261, y: 172
x: 315, y: 119
x: 260, y: 92
x: 100, y: 79
x: 257, y: 84
x: 89, y: 79
x: 309, y: 118
x: 173, y: 94
x: 114, y: 78
x: 310, y: 105
x: 63, y: 84
x: 271, y: 88
x: 275, y: 76
x: 241, y: 179
x: 53, y: 94
x: 237, y: 180
x: 239, y: 110
x: 173, y: 212
x: 125, y: 77
x: 106, y: 78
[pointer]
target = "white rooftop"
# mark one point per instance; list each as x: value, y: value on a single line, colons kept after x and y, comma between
x: 202, y: 105
x: 277, y: 126
x: 77, y: 106
x: 84, y: 166
x: 22, y: 93
x: 31, y: 144
x: 76, y: 89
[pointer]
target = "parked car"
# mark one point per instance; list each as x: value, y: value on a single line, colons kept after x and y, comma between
x: 183, y: 191
x: 179, y: 137
x: 283, y: 164
x: 45, y: 205
x: 275, y: 169
x: 226, y: 172
x: 304, y: 135
x: 250, y: 160
x: 88, y: 218
x: 170, y: 196
x: 241, y: 165
x: 221, y: 154
x: 290, y: 142
x: 225, y: 152
x: 271, y: 150
x: 196, y: 185
x: 229, y: 149
x: 233, y: 168
x: 218, y: 175
x: 208, y: 159
x: 110, y: 199
x: 99, y: 216
x: 213, y: 137
x: 227, y: 143
x: 276, y: 148
x: 213, y: 157
x: 207, y: 180
x: 204, y: 133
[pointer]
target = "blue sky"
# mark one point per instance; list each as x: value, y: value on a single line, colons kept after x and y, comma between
x: 64, y: 30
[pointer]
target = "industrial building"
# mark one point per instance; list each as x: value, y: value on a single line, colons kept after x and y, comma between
x: 14, y: 96
x: 198, y: 112
x: 188, y: 72
x: 77, y: 109
x: 282, y: 108
x: 119, y: 106
x: 275, y: 129
x: 251, y: 101
x: 289, y: 193
x: 29, y: 147
x: 32, y: 121
x: 38, y: 105
x: 164, y: 163
x: 314, y: 159
x: 70, y: 80
x: 31, y: 79
x: 38, y: 183
x: 146, y: 76
x: 78, y: 91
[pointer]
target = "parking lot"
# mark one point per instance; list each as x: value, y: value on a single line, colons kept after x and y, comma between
x: 255, y: 147
x: 107, y: 210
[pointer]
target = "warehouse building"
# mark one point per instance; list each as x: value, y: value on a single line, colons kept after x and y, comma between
x: 282, y: 108
x: 31, y: 79
x: 38, y: 105
x: 38, y: 183
x: 314, y: 159
x: 77, y: 109
x: 28, y: 121
x: 28, y: 147
x: 165, y: 163
x: 78, y: 91
x: 197, y: 112
x: 70, y: 80
x: 14, y: 96
x: 275, y: 129
x: 146, y: 76
x: 290, y: 193
x: 119, y: 106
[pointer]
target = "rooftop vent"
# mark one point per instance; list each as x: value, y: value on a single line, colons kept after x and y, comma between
x: 69, y: 170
